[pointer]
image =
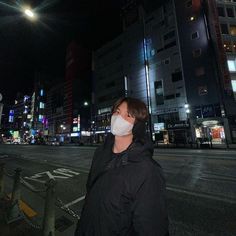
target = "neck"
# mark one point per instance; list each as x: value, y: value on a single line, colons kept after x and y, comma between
x: 122, y: 143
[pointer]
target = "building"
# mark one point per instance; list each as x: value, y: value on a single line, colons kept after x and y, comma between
x: 39, y: 123
x: 77, y: 97
x: 169, y: 57
x: 55, y: 113
x: 19, y: 118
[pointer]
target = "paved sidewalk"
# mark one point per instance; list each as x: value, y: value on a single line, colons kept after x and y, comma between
x: 17, y: 228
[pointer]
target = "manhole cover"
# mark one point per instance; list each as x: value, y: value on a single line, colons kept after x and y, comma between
x: 62, y: 223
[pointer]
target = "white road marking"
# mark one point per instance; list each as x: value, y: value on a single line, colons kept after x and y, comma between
x: 75, y: 201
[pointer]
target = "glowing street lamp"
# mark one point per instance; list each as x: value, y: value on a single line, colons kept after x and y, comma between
x: 29, y: 13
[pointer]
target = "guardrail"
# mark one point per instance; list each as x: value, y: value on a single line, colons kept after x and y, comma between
x: 14, y: 212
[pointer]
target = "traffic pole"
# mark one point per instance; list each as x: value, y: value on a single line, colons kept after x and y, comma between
x: 49, y: 209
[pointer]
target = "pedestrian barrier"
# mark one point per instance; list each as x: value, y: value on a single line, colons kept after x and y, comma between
x: 14, y: 212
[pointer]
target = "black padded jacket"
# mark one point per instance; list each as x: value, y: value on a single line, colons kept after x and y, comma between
x: 125, y: 194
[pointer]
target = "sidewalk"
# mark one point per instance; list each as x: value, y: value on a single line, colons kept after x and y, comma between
x: 17, y: 228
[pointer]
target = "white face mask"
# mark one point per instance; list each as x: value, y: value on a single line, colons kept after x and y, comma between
x: 120, y: 126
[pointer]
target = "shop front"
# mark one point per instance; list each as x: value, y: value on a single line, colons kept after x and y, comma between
x: 210, y: 131
x: 172, y: 133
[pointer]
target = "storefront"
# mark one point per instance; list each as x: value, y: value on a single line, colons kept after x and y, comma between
x: 176, y: 133
x: 210, y: 131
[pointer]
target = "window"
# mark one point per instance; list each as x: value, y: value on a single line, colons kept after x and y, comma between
x: 153, y: 52
x: 167, y: 61
x: 169, y: 45
x: 227, y: 46
x: 40, y: 118
x: 168, y: 117
x: 221, y: 11
x: 169, y: 35
x: 234, y: 45
x: 233, y: 82
x: 224, y: 29
x: 202, y: 90
x: 171, y: 96
x: 188, y: 3
x: 159, y: 92
x: 195, y: 35
x: 232, y: 29
x: 230, y: 12
x: 197, y: 52
x: 41, y: 105
x: 231, y: 65
x: 177, y: 95
x: 41, y: 92
x: 200, y: 71
x: 176, y: 76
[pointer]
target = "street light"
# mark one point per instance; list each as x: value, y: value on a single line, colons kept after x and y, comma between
x: 86, y: 103
x: 29, y: 13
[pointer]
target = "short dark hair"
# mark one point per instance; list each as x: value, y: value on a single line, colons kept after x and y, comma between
x: 136, y: 108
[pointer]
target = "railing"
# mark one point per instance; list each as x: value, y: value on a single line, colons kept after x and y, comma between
x: 14, y: 212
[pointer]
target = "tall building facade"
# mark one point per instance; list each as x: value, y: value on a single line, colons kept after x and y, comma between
x: 168, y: 57
x: 77, y: 99
x: 55, y: 113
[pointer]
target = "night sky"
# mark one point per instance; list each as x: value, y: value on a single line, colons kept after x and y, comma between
x: 26, y: 47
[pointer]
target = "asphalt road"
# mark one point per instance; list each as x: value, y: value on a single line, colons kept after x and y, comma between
x: 201, y: 185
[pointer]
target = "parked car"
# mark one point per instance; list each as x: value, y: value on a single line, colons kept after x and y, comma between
x: 53, y: 142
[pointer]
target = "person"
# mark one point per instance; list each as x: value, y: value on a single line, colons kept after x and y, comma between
x: 126, y: 193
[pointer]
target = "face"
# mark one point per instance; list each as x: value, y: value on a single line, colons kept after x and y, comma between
x: 122, y: 110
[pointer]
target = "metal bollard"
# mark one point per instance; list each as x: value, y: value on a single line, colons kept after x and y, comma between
x: 2, y: 167
x: 49, y: 210
x: 14, y: 212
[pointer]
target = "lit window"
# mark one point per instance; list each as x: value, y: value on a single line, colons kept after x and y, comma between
x: 41, y: 105
x: 233, y: 82
x: 153, y: 52
x: 232, y: 29
x: 227, y: 46
x: 159, y: 92
x: 231, y: 65
x: 41, y: 92
x: 40, y: 117
x: 202, y: 90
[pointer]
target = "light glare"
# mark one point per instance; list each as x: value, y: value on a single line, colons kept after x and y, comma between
x: 29, y: 13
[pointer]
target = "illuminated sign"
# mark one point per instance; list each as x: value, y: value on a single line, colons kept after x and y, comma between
x: 11, y: 116
x: 78, y: 125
